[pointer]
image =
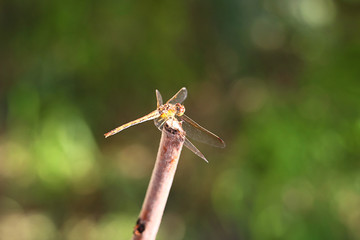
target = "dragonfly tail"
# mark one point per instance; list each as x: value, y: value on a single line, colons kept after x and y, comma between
x: 147, y: 117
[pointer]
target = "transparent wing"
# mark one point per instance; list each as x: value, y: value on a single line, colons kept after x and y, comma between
x: 159, y: 123
x: 191, y: 146
x: 179, y: 97
x: 198, y: 133
x: 147, y: 117
x: 159, y: 100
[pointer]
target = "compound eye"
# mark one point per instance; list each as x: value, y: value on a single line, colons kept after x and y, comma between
x: 180, y: 109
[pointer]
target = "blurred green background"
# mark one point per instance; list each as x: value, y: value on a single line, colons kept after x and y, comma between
x: 278, y: 80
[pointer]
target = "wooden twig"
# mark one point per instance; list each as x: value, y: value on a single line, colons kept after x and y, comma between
x: 171, y: 143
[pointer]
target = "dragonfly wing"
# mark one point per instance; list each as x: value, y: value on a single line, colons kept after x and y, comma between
x: 158, y: 98
x: 159, y: 123
x: 179, y: 97
x: 191, y: 146
x: 198, y: 133
x: 147, y: 117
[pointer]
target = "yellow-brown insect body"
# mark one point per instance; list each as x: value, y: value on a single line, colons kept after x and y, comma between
x: 168, y: 110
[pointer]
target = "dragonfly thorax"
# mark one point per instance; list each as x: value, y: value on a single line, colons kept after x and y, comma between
x: 169, y: 110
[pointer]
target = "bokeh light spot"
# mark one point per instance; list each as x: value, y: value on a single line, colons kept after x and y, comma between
x: 20, y: 226
x: 65, y: 148
x: 316, y: 13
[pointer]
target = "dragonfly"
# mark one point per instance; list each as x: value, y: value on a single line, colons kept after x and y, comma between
x: 174, y: 110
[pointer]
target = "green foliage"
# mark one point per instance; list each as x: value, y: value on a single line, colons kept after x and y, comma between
x: 277, y: 80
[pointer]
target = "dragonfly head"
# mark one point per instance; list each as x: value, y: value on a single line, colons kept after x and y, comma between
x: 180, y: 109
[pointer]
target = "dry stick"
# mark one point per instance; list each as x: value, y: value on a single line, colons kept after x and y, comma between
x: 171, y: 143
